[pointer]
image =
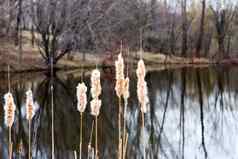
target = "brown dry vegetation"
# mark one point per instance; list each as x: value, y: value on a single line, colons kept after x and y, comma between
x: 32, y: 60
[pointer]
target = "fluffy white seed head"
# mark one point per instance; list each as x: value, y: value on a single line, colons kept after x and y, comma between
x: 81, y: 97
x: 95, y: 106
x: 119, y: 75
x: 119, y: 87
x: 119, y: 67
x: 140, y: 71
x: 95, y: 84
x: 142, y: 91
x: 126, y: 93
x: 9, y: 109
x: 30, y: 107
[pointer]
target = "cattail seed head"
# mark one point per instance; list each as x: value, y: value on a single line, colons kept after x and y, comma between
x: 119, y: 67
x: 119, y: 75
x: 141, y: 70
x: 95, y: 84
x: 126, y: 93
x: 142, y: 91
x: 9, y: 109
x: 95, y: 106
x: 81, y: 97
x: 30, y: 107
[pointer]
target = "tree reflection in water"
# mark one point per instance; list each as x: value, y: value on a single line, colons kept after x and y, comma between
x: 193, y: 114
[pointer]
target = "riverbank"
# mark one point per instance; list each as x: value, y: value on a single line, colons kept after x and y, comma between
x: 31, y: 59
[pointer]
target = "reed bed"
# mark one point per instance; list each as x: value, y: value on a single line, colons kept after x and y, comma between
x: 122, y: 93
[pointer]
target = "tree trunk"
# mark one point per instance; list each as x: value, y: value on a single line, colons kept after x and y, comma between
x: 184, y: 28
x: 221, y: 46
x: 32, y: 24
x: 18, y: 38
x: 201, y: 32
x: 228, y: 46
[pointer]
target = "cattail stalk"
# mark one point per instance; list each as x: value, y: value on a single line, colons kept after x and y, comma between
x: 30, y: 112
x: 126, y: 95
x: 125, y: 145
x: 9, y: 114
x: 10, y: 143
x: 96, y: 134
x: 81, y: 135
x: 90, y: 149
x: 52, y: 109
x: 52, y: 124
x: 29, y: 144
x: 82, y: 102
x: 75, y: 154
x: 96, y: 102
x: 119, y: 64
x: 142, y: 93
x: 119, y: 131
x: 9, y: 111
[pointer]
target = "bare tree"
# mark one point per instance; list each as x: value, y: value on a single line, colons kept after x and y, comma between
x: 184, y: 27
x: 222, y: 18
x: 201, y: 30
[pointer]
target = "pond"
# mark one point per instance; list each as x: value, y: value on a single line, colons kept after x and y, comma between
x: 192, y: 114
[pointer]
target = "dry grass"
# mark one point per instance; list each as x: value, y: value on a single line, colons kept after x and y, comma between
x: 32, y: 59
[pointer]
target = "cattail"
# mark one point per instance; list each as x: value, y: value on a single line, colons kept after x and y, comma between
x: 142, y: 91
x: 96, y: 84
x: 95, y: 107
x: 9, y: 109
x: 142, y: 94
x: 81, y: 97
x: 119, y: 88
x: 30, y: 112
x: 119, y: 75
x: 95, y: 110
x: 30, y: 108
x: 82, y: 102
x: 96, y: 90
x: 141, y: 70
x: 126, y: 93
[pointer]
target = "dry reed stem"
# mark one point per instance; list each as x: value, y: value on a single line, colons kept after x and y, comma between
x: 29, y: 143
x: 96, y: 135
x: 119, y: 130
x: 124, y: 127
x: 81, y: 135
x: 52, y: 124
x: 125, y: 146
x: 90, y: 139
x: 142, y: 129
x: 10, y: 143
x: 75, y: 154
x: 142, y: 119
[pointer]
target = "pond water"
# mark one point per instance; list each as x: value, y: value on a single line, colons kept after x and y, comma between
x: 192, y: 114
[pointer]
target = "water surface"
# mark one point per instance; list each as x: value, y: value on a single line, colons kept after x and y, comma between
x: 192, y: 114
